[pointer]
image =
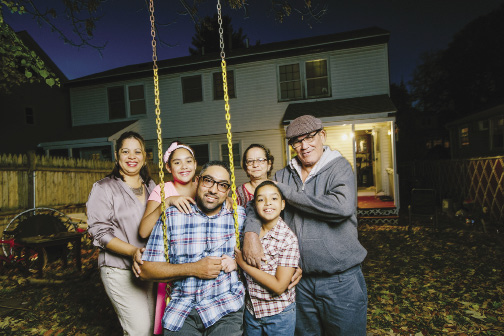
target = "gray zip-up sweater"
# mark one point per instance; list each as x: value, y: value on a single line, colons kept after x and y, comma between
x: 322, y: 214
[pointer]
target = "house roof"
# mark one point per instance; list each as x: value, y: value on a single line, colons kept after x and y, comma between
x: 95, y: 131
x: 340, y: 107
x: 30, y: 43
x: 345, y: 40
x: 485, y: 114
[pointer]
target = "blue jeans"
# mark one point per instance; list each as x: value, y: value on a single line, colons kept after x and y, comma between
x: 283, y: 323
x: 332, y: 304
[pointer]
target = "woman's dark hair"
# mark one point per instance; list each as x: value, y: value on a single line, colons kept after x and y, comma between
x: 144, y: 171
x: 269, y: 157
x: 266, y: 183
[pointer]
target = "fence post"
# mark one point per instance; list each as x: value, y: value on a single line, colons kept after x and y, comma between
x: 32, y: 179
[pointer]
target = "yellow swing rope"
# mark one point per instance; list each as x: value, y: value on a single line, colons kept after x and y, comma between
x: 160, y: 138
x: 228, y: 124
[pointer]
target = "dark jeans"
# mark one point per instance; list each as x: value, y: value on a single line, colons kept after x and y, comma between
x: 229, y: 325
x: 332, y: 305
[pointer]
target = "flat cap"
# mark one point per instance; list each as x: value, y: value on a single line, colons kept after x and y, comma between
x: 303, y: 125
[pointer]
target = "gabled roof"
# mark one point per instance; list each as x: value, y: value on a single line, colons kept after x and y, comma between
x: 485, y: 114
x: 30, y: 43
x: 341, y: 107
x: 95, y: 131
x: 345, y: 40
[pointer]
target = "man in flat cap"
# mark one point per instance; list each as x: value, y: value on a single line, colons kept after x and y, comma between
x: 319, y: 187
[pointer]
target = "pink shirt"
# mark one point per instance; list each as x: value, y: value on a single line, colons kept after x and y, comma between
x: 169, y: 190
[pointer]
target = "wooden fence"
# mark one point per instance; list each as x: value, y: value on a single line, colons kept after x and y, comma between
x: 479, y: 180
x: 29, y: 180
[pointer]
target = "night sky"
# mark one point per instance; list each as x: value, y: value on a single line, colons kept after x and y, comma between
x: 415, y: 26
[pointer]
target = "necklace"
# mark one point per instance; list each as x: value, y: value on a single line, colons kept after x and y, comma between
x: 138, y: 191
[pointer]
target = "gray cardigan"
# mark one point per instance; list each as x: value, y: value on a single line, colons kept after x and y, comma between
x: 322, y: 214
x: 113, y: 211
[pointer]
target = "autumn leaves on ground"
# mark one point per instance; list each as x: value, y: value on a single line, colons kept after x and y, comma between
x: 425, y: 282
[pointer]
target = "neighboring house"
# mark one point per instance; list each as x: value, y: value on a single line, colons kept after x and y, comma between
x: 479, y: 134
x: 33, y: 112
x: 341, y: 78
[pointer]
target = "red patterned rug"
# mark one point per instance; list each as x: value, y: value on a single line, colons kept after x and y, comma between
x: 372, y: 202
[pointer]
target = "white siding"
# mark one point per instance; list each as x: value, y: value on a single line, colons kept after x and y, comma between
x: 353, y: 72
x: 341, y: 139
x: 360, y: 72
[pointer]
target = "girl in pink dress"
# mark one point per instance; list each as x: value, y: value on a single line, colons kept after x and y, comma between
x: 181, y: 163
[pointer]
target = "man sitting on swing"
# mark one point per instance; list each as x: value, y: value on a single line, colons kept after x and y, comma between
x: 206, y: 296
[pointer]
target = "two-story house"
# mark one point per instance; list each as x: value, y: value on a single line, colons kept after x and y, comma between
x: 341, y: 78
x: 33, y: 112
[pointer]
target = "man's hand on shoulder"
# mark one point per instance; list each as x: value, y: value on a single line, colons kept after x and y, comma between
x: 252, y: 249
x: 208, y: 268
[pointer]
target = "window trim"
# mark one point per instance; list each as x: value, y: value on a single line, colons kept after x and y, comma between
x: 303, y: 79
x: 127, y: 101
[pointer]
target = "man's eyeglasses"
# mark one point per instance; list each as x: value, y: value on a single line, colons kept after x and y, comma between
x: 296, y: 143
x: 208, y: 182
x: 259, y: 161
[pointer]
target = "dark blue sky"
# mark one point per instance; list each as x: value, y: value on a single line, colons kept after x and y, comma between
x: 415, y: 26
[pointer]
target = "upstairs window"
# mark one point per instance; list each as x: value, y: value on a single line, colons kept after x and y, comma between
x: 317, y: 83
x: 192, y: 89
x: 290, y: 82
x: 126, y: 101
x: 218, y: 89
x: 303, y: 80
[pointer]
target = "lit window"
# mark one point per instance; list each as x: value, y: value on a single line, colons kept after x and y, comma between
x: 464, y: 136
x: 317, y: 84
x: 303, y: 80
x: 290, y: 82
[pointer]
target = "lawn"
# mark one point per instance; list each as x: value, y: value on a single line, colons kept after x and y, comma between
x: 425, y: 282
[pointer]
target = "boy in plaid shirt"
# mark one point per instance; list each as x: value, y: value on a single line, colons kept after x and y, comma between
x: 270, y: 305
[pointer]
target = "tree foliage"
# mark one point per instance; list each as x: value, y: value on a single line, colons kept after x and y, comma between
x: 20, y: 65
x: 467, y: 76
x: 207, y: 37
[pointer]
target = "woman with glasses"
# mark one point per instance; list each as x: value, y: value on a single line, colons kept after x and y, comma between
x: 257, y: 162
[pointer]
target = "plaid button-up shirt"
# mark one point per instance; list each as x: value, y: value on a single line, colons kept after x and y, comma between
x: 280, y: 247
x: 191, y: 238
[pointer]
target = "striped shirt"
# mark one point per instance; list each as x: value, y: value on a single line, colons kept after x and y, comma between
x: 280, y: 247
x: 193, y: 237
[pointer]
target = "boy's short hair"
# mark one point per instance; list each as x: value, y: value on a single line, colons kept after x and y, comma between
x: 271, y: 183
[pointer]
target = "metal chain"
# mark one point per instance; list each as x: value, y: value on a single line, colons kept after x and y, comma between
x: 159, y: 139
x: 228, y: 124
